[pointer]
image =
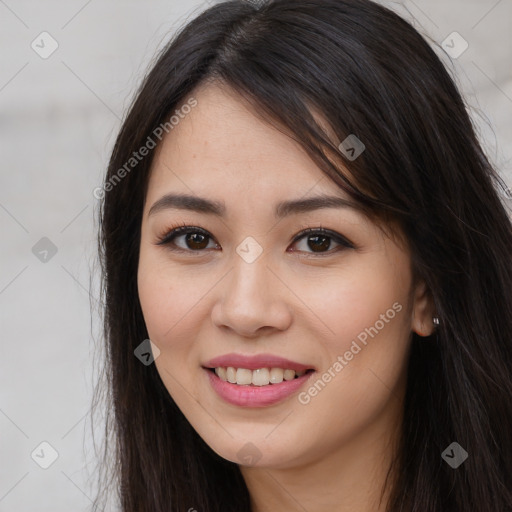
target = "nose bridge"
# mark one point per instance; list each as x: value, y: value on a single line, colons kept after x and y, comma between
x: 251, y: 296
x: 248, y: 283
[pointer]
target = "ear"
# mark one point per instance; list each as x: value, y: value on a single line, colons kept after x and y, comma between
x: 423, y: 310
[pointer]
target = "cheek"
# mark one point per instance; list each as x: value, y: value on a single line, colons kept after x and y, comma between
x: 174, y: 309
x: 367, y: 354
x: 369, y: 298
x: 167, y: 297
x: 154, y: 296
x: 169, y: 313
x: 367, y: 341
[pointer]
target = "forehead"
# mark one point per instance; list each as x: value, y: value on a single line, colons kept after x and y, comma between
x: 222, y: 144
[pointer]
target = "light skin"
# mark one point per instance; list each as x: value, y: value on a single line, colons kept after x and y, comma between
x: 305, y: 300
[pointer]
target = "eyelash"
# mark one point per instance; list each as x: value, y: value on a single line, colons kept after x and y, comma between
x: 170, y: 234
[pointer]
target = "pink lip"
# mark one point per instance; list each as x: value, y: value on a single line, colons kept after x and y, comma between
x: 255, y: 396
x: 255, y: 362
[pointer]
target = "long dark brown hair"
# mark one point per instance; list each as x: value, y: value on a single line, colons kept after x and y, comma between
x: 369, y: 73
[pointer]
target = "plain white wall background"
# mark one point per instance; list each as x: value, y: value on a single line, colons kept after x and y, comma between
x: 58, y: 120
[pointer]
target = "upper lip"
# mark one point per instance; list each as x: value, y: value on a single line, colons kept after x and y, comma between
x: 254, y: 362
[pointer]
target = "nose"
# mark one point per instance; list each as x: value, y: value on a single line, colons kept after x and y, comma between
x: 252, y: 301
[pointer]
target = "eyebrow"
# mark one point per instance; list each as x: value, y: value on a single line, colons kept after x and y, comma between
x: 217, y: 208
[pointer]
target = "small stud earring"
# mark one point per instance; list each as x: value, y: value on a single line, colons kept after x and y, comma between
x: 435, y: 320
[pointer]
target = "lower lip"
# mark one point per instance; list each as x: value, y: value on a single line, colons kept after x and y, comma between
x: 256, y: 396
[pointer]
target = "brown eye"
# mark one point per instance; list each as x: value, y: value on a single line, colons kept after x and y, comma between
x: 194, y: 239
x: 320, y: 241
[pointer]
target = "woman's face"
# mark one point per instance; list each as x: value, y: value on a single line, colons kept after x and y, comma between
x: 244, y: 287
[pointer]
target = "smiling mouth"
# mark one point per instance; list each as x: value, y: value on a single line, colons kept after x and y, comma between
x: 258, y: 377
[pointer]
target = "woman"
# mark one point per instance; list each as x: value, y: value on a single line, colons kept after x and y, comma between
x: 298, y: 214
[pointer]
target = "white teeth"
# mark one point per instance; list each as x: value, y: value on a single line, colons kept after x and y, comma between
x: 221, y: 373
x: 259, y: 377
x: 243, y: 376
x: 289, y: 374
x: 276, y: 375
x: 231, y: 375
